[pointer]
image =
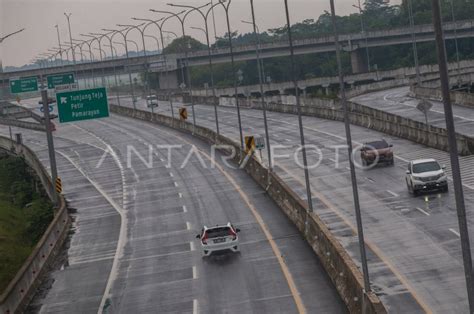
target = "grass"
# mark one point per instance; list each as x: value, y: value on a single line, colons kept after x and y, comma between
x: 24, y: 216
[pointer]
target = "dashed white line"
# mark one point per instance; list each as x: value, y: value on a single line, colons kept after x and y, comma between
x: 424, y: 212
x: 393, y: 193
x: 176, y: 184
x: 188, y: 225
x: 185, y: 210
x: 180, y: 195
x: 455, y: 232
x: 195, y: 272
x: 171, y: 174
x: 191, y: 246
x: 195, y: 306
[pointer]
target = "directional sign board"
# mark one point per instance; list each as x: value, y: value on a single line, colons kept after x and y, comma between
x: 23, y: 85
x: 259, y: 143
x: 83, y: 104
x: 60, y: 79
x: 424, y: 106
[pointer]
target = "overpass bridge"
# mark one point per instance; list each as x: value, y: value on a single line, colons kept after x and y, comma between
x: 170, y: 65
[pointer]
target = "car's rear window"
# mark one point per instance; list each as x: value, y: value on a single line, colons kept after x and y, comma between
x: 426, y: 167
x: 218, y: 232
x: 376, y: 145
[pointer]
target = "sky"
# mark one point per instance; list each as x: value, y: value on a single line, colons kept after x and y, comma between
x: 40, y: 16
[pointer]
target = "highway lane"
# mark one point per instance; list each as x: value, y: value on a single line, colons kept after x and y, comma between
x: 399, y: 102
x: 135, y: 227
x: 414, y: 242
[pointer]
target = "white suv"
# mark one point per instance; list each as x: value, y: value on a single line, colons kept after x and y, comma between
x: 426, y: 175
x: 219, y: 239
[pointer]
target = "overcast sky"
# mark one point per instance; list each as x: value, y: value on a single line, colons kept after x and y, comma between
x: 40, y: 16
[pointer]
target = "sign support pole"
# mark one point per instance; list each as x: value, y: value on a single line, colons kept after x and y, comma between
x: 49, y: 137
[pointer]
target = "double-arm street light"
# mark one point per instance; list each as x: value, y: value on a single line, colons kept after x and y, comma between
x: 159, y: 24
x: 124, y: 34
x: 59, y: 43
x: 96, y: 38
x: 205, y: 16
x: 182, y: 20
x: 5, y: 37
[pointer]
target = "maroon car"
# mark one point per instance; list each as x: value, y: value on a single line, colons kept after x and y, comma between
x: 371, y: 150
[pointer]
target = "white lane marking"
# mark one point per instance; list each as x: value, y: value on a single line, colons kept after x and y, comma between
x: 176, y: 184
x: 171, y: 174
x: 192, y: 247
x: 195, y: 306
x: 393, y: 193
x: 180, y: 195
x: 333, y: 160
x: 162, y: 160
x: 424, y: 212
x: 188, y: 225
x: 195, y: 272
x: 185, y: 210
x: 348, y: 168
x: 455, y: 232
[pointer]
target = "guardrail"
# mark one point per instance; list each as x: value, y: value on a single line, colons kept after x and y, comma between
x: 21, y: 289
x: 342, y: 270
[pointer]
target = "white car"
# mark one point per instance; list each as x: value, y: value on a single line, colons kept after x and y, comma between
x: 426, y: 175
x: 151, y: 101
x: 219, y: 239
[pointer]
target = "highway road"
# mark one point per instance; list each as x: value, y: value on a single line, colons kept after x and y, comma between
x: 133, y: 246
x: 415, y: 259
x: 399, y: 102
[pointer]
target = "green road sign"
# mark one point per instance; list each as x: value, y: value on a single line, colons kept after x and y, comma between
x: 83, y: 104
x: 23, y: 85
x: 60, y: 79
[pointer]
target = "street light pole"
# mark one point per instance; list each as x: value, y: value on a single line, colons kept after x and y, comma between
x: 205, y: 16
x: 456, y: 41
x: 112, y: 56
x: 262, y: 92
x: 234, y: 73
x: 359, y: 6
x: 68, y: 17
x: 5, y: 37
x: 59, y: 43
x: 413, y: 40
x: 453, y: 152
x: 298, y: 106
x: 360, y: 230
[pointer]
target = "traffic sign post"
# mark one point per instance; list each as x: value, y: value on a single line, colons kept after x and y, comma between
x: 425, y: 107
x: 23, y: 85
x: 183, y: 114
x: 83, y: 104
x: 260, y: 145
x: 60, y: 79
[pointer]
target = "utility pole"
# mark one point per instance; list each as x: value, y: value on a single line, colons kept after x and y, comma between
x: 453, y: 152
x: 360, y: 230
x: 413, y: 40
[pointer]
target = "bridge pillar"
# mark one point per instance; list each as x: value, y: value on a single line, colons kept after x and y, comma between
x: 169, y: 80
x: 359, y: 61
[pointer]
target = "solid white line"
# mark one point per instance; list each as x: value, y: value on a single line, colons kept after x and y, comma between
x: 188, y: 225
x: 393, y: 193
x: 192, y: 247
x: 195, y: 273
x: 424, y: 212
x: 195, y: 306
x: 455, y: 232
x: 185, y: 210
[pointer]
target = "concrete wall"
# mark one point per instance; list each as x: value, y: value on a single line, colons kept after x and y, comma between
x: 21, y: 289
x: 340, y: 267
x: 369, y: 118
x: 459, y: 98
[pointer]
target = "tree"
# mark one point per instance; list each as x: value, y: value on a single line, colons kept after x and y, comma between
x: 180, y: 45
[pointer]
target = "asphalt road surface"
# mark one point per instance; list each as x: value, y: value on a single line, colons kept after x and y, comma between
x: 398, y: 101
x: 415, y: 258
x: 133, y: 247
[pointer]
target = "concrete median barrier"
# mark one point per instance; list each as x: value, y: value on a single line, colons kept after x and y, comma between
x: 21, y: 289
x: 342, y: 270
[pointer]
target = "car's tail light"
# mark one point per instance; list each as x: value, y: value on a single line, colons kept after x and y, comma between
x: 233, y: 234
x: 204, y: 238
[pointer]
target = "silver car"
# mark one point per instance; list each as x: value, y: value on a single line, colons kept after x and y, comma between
x: 426, y: 175
x: 219, y: 239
